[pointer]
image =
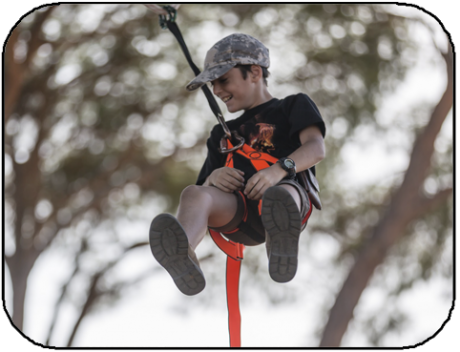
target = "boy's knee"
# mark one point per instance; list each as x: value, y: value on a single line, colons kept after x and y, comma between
x: 190, y: 191
x: 193, y: 192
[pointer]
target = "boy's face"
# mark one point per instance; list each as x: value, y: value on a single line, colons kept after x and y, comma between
x: 235, y: 91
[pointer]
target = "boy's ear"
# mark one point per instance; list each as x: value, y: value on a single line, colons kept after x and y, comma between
x: 256, y: 73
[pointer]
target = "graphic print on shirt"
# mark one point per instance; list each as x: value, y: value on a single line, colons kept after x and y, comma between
x: 259, y: 135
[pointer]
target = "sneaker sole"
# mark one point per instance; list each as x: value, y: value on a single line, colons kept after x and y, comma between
x: 169, y: 245
x: 281, y: 219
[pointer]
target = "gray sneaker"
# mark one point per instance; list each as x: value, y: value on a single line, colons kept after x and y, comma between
x: 170, y: 247
x: 282, y: 223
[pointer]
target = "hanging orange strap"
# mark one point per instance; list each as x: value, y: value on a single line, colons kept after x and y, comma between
x: 234, y: 253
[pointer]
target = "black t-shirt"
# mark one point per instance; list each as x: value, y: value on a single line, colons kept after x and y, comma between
x: 272, y: 127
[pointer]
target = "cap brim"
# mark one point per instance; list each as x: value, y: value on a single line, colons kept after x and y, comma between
x: 210, y: 75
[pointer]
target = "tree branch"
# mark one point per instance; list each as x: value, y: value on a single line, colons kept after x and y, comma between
x: 64, y: 291
x: 94, y: 293
x: 427, y: 204
x: 423, y: 149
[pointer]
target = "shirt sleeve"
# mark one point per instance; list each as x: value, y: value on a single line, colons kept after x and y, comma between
x: 214, y: 159
x: 303, y: 113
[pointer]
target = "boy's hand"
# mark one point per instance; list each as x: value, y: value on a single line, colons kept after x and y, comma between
x: 227, y: 179
x: 262, y: 180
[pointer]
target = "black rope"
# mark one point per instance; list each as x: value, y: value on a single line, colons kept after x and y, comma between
x: 172, y: 26
x: 170, y: 23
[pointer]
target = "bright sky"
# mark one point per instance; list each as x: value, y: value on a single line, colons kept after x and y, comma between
x: 145, y: 314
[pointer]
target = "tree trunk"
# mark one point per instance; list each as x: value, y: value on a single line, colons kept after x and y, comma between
x: 20, y: 266
x: 19, y: 283
x: 407, y: 205
x: 17, y: 72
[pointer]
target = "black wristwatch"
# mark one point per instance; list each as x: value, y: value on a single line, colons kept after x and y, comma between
x: 288, y: 165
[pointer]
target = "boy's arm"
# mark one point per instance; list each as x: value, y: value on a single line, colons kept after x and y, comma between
x: 311, y: 152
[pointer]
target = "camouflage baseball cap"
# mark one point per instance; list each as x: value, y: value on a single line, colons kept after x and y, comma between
x: 235, y: 49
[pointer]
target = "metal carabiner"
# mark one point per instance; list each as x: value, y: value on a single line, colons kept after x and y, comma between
x: 224, y: 143
x: 228, y: 137
x: 172, y: 13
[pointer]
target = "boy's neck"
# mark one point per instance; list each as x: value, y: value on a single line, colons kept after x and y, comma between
x: 263, y: 97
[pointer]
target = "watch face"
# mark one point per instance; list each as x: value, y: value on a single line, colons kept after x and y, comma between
x: 289, y: 163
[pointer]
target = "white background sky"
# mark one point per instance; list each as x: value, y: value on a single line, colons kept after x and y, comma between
x: 157, y: 302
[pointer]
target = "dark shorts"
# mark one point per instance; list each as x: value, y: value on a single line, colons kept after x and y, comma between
x: 246, y: 226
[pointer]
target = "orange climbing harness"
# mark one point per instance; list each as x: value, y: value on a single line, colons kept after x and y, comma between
x: 235, y: 250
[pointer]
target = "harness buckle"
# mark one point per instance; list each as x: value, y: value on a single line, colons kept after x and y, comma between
x: 239, y: 252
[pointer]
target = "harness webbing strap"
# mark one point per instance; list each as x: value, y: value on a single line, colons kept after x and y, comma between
x: 258, y: 160
x: 234, y: 252
x: 305, y: 219
x: 233, y: 304
x: 253, y: 154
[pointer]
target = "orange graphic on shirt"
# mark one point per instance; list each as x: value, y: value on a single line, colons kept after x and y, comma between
x: 261, y: 137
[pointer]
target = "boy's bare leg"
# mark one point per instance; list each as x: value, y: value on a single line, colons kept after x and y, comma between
x: 173, y: 240
x: 203, y: 206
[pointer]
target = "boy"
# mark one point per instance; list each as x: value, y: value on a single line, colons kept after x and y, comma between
x: 247, y: 205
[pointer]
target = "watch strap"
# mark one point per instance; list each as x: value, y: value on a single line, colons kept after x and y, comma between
x: 291, y: 171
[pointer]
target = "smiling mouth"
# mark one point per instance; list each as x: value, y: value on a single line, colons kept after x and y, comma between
x: 226, y: 99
